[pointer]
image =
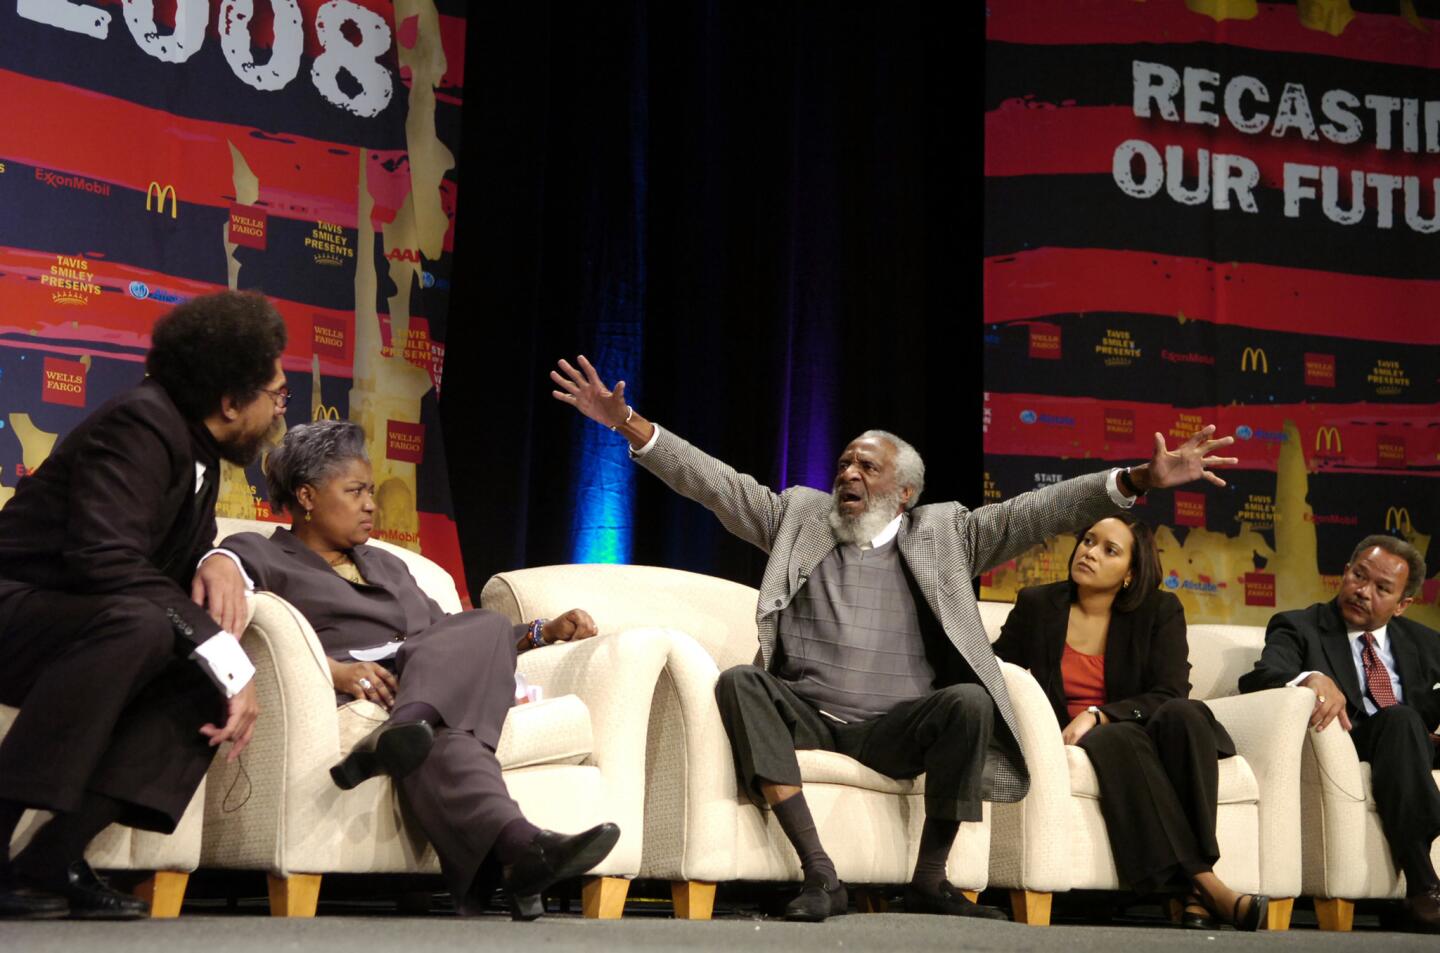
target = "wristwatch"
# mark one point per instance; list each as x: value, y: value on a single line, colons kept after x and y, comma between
x: 1095, y: 710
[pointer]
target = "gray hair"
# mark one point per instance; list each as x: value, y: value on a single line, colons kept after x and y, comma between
x: 1396, y: 546
x: 909, y: 468
x: 311, y: 453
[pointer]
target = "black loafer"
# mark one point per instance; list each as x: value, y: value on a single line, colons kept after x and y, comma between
x: 87, y: 896
x: 551, y: 858
x: 949, y: 902
x: 19, y: 902
x: 394, y: 749
x: 1190, y: 914
x: 815, y: 902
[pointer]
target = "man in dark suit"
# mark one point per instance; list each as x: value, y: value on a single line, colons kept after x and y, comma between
x: 1379, y: 675
x: 111, y: 644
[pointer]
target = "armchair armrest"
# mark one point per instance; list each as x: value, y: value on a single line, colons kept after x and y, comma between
x: 1029, y: 840
x: 1268, y: 729
x: 252, y: 805
x: 1333, y: 812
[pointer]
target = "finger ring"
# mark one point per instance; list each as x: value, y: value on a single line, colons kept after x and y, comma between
x: 365, y: 684
x: 1320, y: 699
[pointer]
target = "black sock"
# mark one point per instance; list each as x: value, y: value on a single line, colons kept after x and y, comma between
x: 936, y: 839
x: 416, y: 711
x: 10, y: 814
x: 63, y: 839
x: 1419, y: 872
x: 513, y: 840
x: 795, y: 820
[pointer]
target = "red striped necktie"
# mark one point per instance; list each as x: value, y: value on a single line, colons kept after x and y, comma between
x: 1377, y: 676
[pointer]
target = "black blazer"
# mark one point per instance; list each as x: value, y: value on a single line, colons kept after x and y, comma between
x: 1315, y: 640
x: 1146, y: 655
x: 113, y: 511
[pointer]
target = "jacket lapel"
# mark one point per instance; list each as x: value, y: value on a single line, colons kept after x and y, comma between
x: 1407, y: 658
x: 1120, y: 649
x: 917, y: 549
x: 1056, y: 626
x: 1336, y: 645
x: 813, y: 543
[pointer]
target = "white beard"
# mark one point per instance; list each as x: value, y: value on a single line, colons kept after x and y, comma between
x: 860, y: 530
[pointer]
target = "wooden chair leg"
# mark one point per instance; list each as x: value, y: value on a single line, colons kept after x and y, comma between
x: 294, y: 896
x: 1030, y: 907
x: 603, y: 898
x: 693, y: 899
x: 870, y: 900
x: 164, y: 891
x: 972, y: 895
x: 1335, y: 914
x: 1279, y: 914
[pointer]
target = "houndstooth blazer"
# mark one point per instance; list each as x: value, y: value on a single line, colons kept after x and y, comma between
x: 944, y: 545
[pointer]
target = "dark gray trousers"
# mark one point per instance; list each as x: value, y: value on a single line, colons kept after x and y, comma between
x: 945, y: 735
x: 1396, y: 742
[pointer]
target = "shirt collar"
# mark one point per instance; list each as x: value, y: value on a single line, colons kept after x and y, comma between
x: 886, y: 534
x: 1381, y: 641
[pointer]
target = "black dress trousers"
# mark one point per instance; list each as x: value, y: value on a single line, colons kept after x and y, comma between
x: 1159, y: 791
x: 1396, y: 742
x: 945, y: 735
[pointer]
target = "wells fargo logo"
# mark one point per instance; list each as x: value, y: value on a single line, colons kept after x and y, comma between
x: 1259, y: 588
x: 1398, y: 517
x: 331, y: 338
x: 1119, y: 424
x: 1189, y: 509
x: 64, y: 382
x: 404, y: 441
x: 154, y: 193
x: 1319, y: 370
x: 1045, y: 341
x: 71, y: 280
x: 1118, y: 348
x: 330, y: 244
x: 322, y: 412
x: 1390, y: 451
x: 1328, y: 442
x: 248, y: 225
x: 1254, y: 359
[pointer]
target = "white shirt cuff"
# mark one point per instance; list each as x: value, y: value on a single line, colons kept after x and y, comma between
x: 225, y: 662
x: 249, y: 583
x: 1117, y: 496
x: 654, y: 436
x: 1298, y: 679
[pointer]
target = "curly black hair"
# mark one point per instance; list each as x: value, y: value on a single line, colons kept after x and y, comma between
x: 217, y: 345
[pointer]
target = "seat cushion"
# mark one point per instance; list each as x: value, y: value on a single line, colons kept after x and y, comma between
x: 1237, y: 781
x: 553, y: 731
x: 1370, y: 788
x: 828, y: 767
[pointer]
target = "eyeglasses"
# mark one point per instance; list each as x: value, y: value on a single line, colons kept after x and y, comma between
x: 281, y: 396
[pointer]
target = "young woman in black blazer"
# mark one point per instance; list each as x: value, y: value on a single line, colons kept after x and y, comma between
x: 1108, y: 647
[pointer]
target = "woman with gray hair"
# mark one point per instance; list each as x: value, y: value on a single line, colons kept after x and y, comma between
x: 448, y: 680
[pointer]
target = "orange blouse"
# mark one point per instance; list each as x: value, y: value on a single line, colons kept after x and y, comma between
x: 1083, y: 677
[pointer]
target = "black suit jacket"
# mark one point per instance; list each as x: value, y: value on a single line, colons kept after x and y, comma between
x: 113, y: 511
x: 1147, y: 659
x: 1315, y: 640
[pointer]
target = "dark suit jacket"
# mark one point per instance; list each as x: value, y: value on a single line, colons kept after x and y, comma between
x: 113, y: 510
x: 345, y: 616
x: 1146, y: 654
x: 1315, y: 640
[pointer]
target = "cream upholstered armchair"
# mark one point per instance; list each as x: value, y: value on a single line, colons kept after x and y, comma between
x: 699, y: 829
x: 164, y: 861
x: 1345, y: 855
x: 573, y: 760
x: 1055, y: 839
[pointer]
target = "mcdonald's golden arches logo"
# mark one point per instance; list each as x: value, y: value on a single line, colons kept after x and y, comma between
x: 1329, y: 437
x: 154, y: 193
x: 1398, y: 517
x: 1254, y: 359
x: 322, y: 412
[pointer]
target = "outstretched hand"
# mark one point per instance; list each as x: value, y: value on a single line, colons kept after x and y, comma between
x: 583, y: 389
x: 1189, y: 461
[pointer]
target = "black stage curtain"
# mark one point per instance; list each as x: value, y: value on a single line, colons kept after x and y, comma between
x: 780, y: 199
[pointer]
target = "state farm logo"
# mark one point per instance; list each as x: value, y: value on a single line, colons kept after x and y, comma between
x: 61, y: 180
x: 71, y: 280
x: 404, y: 441
x: 64, y: 382
x: 1319, y: 370
x: 1189, y: 509
x: 248, y: 226
x: 1045, y: 341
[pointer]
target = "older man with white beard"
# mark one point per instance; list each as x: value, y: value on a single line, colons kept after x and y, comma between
x: 871, y: 642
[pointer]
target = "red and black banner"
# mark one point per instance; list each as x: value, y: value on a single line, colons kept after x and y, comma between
x: 1208, y: 211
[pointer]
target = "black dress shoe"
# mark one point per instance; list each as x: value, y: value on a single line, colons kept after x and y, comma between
x: 949, y: 902
x: 395, y: 749
x: 88, y: 897
x: 816, y: 902
x: 1422, y: 913
x: 1191, y: 914
x: 1255, y: 918
x: 551, y: 858
x: 19, y: 902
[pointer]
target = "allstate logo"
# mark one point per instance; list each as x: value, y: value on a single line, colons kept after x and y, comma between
x: 139, y: 290
x: 427, y: 280
x: 1028, y: 417
x: 1172, y: 581
x: 1244, y: 432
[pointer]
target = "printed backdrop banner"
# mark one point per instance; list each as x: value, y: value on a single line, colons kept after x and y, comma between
x: 155, y: 151
x: 1218, y: 211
